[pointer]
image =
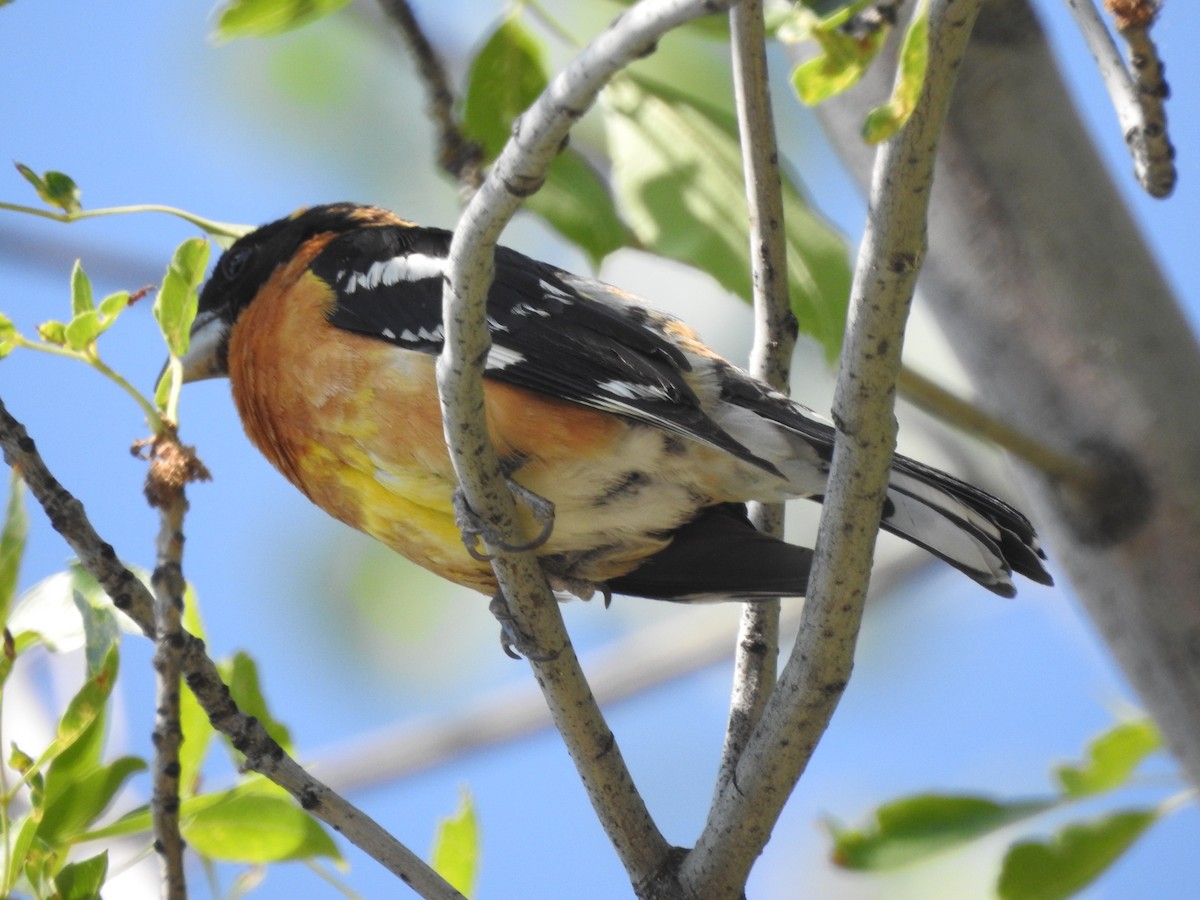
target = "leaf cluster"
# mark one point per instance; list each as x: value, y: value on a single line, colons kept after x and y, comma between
x: 914, y: 828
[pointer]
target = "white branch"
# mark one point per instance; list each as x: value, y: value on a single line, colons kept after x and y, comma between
x: 518, y: 172
x: 1137, y: 97
x: 770, y: 357
x: 817, y: 671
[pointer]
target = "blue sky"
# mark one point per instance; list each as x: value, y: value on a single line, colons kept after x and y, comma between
x: 953, y: 689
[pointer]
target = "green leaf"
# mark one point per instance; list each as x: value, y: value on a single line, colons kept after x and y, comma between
x: 20, y: 761
x: 82, y: 880
x: 844, y: 58
x: 84, y: 707
x: 506, y: 76
x: 884, y: 121
x: 83, y: 330
x: 266, y: 18
x: 54, y: 188
x: 255, y: 828
x: 8, y: 656
x: 12, y: 543
x: 175, y: 306
x: 136, y: 821
x: 89, y: 324
x: 69, y: 610
x: 25, y: 830
x: 101, y: 632
x: 81, y: 290
x: 8, y: 335
x: 1111, y: 759
x: 113, y: 305
x: 78, y: 760
x: 677, y: 171
x: 53, y: 332
x: 1073, y: 859
x: 916, y: 827
x: 576, y: 202
x: 455, y: 854
x: 72, y: 804
x: 241, y: 675
x: 193, y: 720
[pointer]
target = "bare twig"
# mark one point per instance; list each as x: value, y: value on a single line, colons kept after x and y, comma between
x: 457, y: 154
x: 970, y: 418
x: 770, y: 359
x: 263, y: 754
x: 518, y: 172
x: 1138, y: 96
x: 817, y: 671
x: 172, y: 466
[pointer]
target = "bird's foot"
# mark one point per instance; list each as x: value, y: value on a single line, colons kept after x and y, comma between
x: 474, y: 528
x: 515, y: 643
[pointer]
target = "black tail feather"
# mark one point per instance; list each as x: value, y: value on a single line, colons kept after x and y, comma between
x: 720, y: 556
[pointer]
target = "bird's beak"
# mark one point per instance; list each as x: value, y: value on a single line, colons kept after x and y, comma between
x: 203, y: 359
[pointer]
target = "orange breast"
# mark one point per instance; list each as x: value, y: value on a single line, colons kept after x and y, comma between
x: 354, y: 422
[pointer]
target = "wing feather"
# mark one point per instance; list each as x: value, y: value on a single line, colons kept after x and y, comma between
x: 548, y: 335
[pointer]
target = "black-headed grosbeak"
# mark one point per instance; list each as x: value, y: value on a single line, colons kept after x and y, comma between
x: 647, y: 443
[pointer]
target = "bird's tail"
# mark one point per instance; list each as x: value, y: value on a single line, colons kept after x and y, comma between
x: 970, y: 529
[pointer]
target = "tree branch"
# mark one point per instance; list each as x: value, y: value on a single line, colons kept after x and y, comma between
x: 263, y: 754
x: 171, y: 467
x: 1137, y: 97
x: 458, y: 155
x: 517, y: 173
x: 817, y: 671
x: 968, y: 417
x: 770, y: 358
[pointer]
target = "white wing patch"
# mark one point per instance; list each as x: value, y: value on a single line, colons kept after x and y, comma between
x: 527, y: 309
x: 386, y: 272
x: 420, y: 336
x: 554, y: 291
x: 501, y: 357
x: 633, y: 391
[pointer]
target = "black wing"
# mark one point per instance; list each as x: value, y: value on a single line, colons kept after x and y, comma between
x: 548, y: 334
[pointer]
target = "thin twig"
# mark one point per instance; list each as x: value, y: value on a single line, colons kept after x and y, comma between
x: 518, y: 172
x: 770, y: 359
x: 1137, y: 97
x: 457, y: 154
x: 937, y: 401
x: 263, y: 754
x: 217, y: 229
x: 169, y: 472
x: 815, y: 676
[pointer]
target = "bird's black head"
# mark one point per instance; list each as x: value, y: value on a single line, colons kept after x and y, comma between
x: 245, y: 267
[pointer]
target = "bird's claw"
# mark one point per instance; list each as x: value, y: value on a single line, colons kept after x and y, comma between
x: 515, y: 643
x: 474, y: 529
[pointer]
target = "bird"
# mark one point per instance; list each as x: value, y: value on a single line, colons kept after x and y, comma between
x: 633, y: 445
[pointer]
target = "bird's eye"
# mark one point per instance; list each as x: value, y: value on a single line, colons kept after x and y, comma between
x: 234, y: 261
